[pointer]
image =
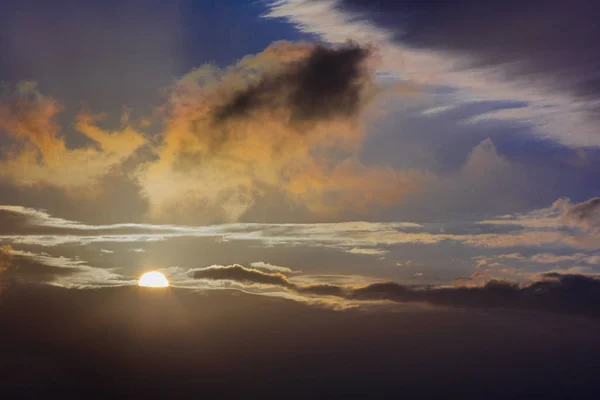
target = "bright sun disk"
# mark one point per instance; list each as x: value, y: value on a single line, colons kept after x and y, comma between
x: 153, y: 279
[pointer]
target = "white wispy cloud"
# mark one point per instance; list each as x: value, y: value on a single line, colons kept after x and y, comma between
x: 368, y: 251
x: 271, y: 267
x: 538, y: 228
x: 551, y: 114
x: 78, y: 273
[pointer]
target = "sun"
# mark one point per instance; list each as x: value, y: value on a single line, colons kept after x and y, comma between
x: 153, y: 279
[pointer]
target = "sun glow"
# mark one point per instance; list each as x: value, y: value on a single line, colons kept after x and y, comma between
x: 153, y: 279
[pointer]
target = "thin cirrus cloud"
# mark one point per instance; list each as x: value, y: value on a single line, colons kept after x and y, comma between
x: 455, y: 44
x: 541, y: 228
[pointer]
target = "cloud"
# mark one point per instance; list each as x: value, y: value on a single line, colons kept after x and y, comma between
x: 450, y: 45
x: 39, y: 154
x: 327, y: 84
x: 241, y: 274
x: 367, y: 252
x: 573, y: 294
x: 539, y: 228
x: 584, y: 215
x: 270, y: 267
x: 30, y: 267
x: 518, y: 267
x: 285, y: 122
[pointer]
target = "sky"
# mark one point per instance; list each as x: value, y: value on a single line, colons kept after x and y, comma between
x: 345, y: 140
x: 392, y: 162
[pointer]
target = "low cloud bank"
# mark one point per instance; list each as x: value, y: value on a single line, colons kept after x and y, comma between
x: 554, y: 292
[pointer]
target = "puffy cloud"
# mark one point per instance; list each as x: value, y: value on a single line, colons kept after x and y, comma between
x: 284, y: 121
x: 249, y: 276
x: 549, y: 258
x: 328, y: 83
x: 574, y: 294
x: 39, y: 154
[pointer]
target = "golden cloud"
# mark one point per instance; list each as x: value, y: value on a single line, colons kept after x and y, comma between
x: 39, y: 154
x: 286, y: 121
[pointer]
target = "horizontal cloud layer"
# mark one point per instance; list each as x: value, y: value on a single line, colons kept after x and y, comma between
x: 573, y: 294
x: 549, y: 227
x: 18, y: 267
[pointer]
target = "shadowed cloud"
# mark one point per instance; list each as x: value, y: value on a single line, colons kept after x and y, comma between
x: 328, y: 83
x: 553, y: 292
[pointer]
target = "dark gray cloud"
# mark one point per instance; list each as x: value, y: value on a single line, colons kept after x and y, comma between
x: 551, y: 41
x: 25, y: 267
x: 571, y: 294
x: 28, y: 270
x: 328, y: 83
x: 249, y: 276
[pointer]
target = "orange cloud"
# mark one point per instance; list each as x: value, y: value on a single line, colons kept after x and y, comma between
x: 287, y: 120
x: 39, y: 155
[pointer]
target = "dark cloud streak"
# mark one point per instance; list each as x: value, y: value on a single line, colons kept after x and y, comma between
x: 570, y: 294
